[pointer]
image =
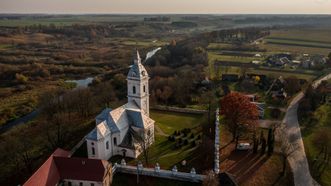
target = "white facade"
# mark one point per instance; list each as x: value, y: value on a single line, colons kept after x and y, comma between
x: 114, y: 131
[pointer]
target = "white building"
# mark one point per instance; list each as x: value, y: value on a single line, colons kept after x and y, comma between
x: 127, y: 129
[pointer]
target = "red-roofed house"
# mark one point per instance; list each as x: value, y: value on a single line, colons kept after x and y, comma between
x: 60, y: 169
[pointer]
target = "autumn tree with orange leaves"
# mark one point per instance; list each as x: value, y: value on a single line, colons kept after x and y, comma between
x: 240, y: 115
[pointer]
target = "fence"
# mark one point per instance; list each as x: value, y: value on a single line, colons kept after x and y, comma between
x: 157, y: 172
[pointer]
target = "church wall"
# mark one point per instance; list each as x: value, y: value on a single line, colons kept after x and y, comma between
x: 107, y: 152
x: 89, y: 149
x: 129, y: 152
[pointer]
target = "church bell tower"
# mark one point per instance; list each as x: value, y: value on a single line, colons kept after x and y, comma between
x: 137, y: 81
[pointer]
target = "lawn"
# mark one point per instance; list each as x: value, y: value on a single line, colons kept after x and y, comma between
x: 170, y: 121
x: 164, y: 151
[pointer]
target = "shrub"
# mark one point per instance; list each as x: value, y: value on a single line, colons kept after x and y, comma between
x: 21, y: 78
x: 186, y: 142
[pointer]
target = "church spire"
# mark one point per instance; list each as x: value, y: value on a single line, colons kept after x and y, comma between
x: 137, y: 60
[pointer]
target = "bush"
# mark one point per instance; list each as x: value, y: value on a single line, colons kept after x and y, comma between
x: 186, y: 142
x: 21, y: 78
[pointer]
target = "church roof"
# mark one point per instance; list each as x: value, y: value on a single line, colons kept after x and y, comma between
x: 112, y: 121
x: 60, y: 166
x: 137, y: 70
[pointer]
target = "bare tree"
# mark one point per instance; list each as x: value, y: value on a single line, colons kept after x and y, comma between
x: 143, y: 138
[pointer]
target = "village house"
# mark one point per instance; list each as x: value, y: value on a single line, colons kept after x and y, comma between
x: 277, y: 90
x: 279, y: 59
x: 127, y: 129
x: 61, y: 169
x: 312, y: 61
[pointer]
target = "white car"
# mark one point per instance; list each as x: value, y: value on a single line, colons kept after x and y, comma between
x: 243, y: 146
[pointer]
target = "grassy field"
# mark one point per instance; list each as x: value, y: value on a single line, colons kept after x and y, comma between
x: 170, y: 121
x: 163, y: 151
x: 299, y: 41
x: 23, y: 102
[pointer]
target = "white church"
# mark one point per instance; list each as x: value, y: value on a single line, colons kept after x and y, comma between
x: 126, y: 130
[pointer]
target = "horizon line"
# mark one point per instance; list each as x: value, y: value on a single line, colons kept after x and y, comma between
x: 137, y: 13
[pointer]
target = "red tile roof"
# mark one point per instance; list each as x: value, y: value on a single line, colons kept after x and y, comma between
x: 81, y: 168
x: 60, y: 166
x: 47, y: 173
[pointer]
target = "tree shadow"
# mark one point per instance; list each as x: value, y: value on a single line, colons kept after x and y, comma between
x: 245, y: 164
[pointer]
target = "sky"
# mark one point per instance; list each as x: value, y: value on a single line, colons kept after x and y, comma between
x: 167, y: 6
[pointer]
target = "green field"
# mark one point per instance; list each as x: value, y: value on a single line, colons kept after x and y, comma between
x: 300, y: 40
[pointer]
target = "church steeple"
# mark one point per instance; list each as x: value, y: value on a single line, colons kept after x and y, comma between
x: 137, y: 59
x: 138, y: 84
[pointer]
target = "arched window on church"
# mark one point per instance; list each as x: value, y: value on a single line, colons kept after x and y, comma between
x: 107, y: 145
x: 134, y: 89
x: 144, y: 88
x: 93, y: 151
x: 115, y: 141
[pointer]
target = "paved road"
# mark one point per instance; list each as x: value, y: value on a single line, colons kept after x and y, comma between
x: 298, y: 160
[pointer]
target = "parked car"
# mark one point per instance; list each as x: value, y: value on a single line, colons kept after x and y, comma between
x: 243, y: 146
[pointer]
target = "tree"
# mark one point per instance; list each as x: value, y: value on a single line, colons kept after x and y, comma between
x: 144, y: 139
x: 270, y: 141
x: 240, y: 115
x: 292, y: 85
